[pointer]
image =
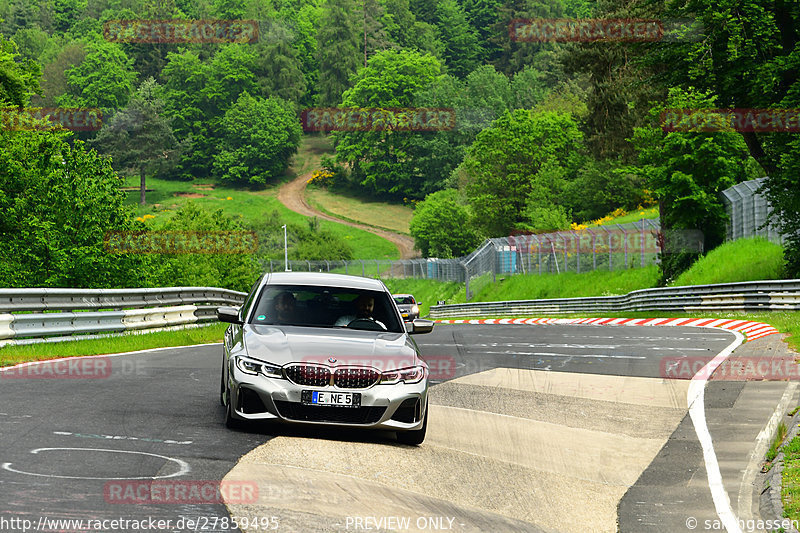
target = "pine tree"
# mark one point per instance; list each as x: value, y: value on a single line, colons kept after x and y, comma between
x: 338, y: 39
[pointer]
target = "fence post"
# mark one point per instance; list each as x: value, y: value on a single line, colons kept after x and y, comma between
x: 641, y: 244
x: 625, y: 238
x: 378, y: 269
x: 363, y: 271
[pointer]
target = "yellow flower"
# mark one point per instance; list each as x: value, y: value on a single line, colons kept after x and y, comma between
x: 229, y: 198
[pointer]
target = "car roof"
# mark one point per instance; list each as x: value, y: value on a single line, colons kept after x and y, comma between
x: 323, y: 279
x: 398, y: 295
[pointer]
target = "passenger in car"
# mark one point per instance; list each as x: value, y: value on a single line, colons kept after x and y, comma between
x: 285, y: 311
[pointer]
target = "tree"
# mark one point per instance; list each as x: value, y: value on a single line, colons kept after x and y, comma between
x: 441, y: 226
x: 748, y: 56
x: 139, y: 137
x: 461, y: 48
x: 687, y: 171
x: 258, y: 138
x: 277, y: 68
x: 523, y: 160
x: 379, y: 160
x: 103, y: 79
x: 409, y: 31
x: 19, y: 79
x: 197, y: 94
x: 54, y: 77
x: 58, y: 203
x: 338, y: 45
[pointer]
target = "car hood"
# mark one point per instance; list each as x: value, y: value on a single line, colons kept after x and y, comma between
x: 405, y: 307
x: 286, y: 344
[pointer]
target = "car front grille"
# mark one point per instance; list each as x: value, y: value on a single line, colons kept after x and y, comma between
x: 309, y: 375
x: 355, y: 378
x: 343, y: 378
x: 342, y: 415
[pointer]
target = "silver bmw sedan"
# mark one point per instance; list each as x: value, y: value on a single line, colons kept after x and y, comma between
x: 313, y: 348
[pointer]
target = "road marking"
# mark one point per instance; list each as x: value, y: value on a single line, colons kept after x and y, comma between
x: 695, y: 397
x: 184, y: 466
x: 119, y: 437
x: 549, y: 354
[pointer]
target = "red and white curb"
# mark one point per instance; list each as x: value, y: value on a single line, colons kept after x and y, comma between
x: 752, y: 330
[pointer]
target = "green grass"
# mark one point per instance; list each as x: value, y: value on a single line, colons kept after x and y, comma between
x: 634, y: 216
x: 780, y: 434
x: 569, y: 285
x: 790, y: 481
x: 742, y: 260
x: 428, y: 291
x: 253, y: 205
x: 392, y: 217
x: 10, y: 355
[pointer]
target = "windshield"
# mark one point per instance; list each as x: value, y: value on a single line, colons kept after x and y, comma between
x: 315, y: 306
x: 404, y: 300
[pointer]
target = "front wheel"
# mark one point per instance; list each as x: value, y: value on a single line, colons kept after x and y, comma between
x: 230, y: 421
x: 416, y: 436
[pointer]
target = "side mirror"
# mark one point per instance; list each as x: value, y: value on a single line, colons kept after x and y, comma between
x: 419, y: 326
x: 229, y: 315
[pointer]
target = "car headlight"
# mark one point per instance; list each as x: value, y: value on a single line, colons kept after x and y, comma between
x: 407, y: 375
x: 253, y: 367
x: 415, y: 310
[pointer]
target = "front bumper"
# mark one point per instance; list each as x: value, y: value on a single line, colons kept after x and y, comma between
x: 398, y: 407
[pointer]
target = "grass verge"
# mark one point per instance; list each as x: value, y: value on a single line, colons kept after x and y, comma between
x: 383, y: 215
x: 11, y: 355
x: 790, y: 479
x: 741, y: 260
x: 253, y: 205
x: 568, y: 284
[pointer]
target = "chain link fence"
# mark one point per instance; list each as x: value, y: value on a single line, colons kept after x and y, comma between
x: 608, y: 247
x: 611, y: 247
x: 748, y: 212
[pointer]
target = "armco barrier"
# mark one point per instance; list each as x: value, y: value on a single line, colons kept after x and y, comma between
x: 746, y: 296
x: 31, y: 315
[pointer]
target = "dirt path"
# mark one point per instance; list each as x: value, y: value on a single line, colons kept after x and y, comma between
x: 293, y: 196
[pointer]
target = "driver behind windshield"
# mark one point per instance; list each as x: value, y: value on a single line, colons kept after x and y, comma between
x: 364, y: 306
x: 285, y: 308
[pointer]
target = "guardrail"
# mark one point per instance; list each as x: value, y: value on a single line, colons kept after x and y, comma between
x: 36, y: 315
x: 781, y: 295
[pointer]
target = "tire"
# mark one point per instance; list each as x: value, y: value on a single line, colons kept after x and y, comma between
x: 416, y: 436
x: 230, y: 421
x: 222, y: 383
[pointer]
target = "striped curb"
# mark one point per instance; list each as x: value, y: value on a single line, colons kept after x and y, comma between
x: 752, y: 330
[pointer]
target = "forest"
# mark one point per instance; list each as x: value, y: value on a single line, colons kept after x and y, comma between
x: 542, y: 133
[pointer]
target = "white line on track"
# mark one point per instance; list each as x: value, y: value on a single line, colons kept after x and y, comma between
x: 695, y: 397
x: 184, y: 466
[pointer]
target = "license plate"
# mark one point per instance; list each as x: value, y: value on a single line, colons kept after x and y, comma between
x: 405, y: 315
x: 337, y: 399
